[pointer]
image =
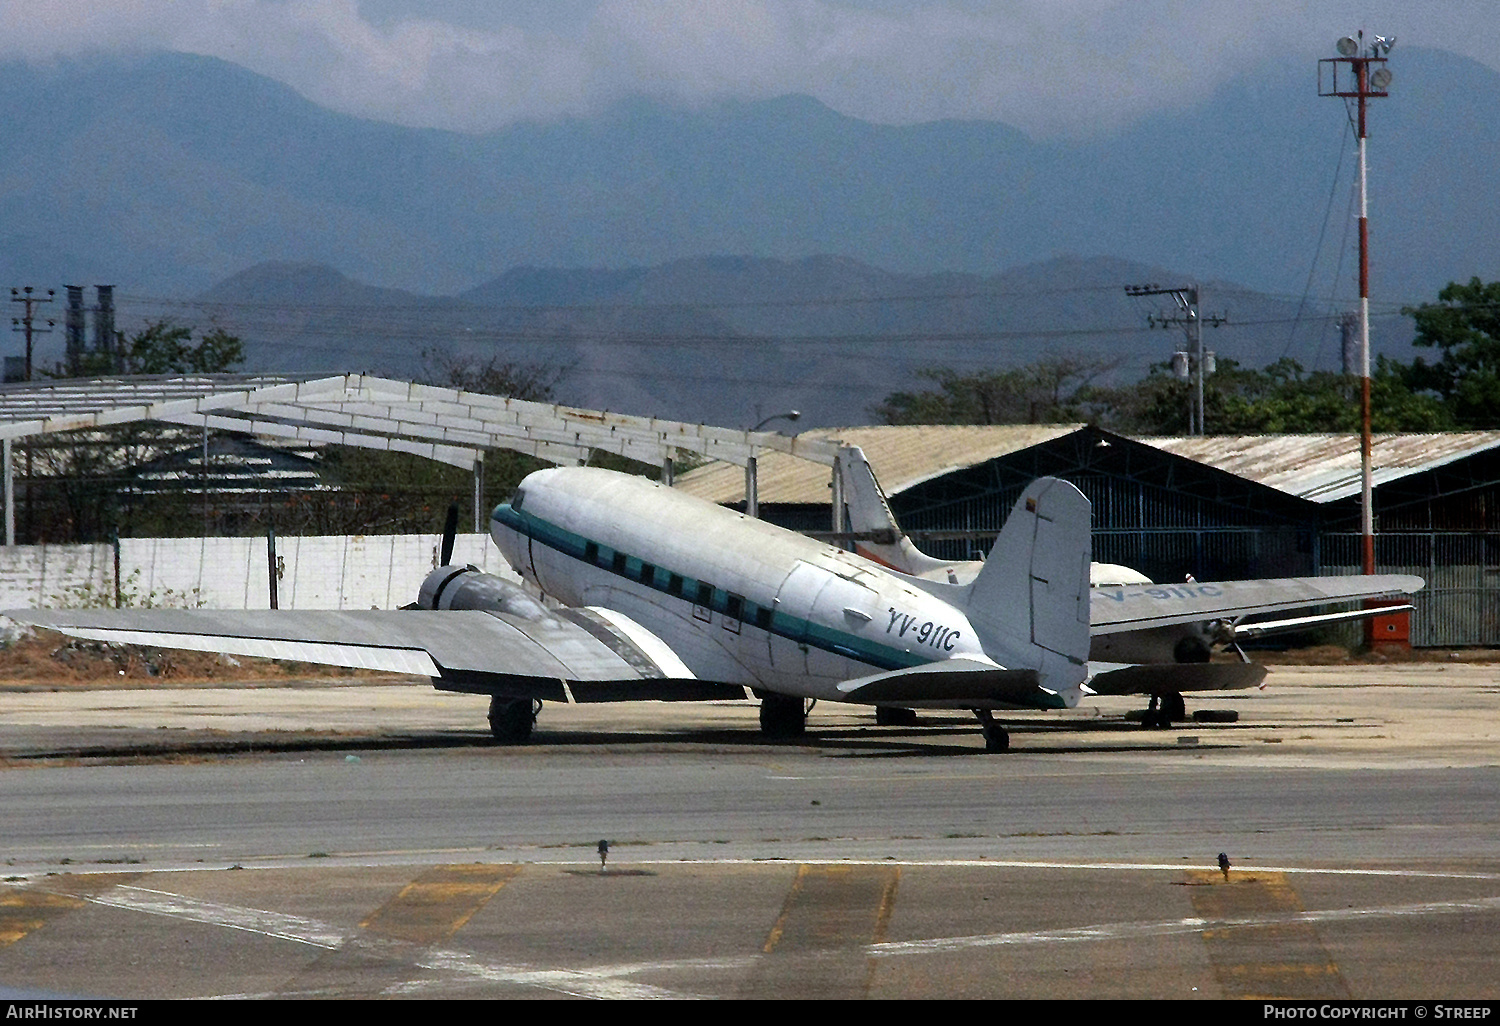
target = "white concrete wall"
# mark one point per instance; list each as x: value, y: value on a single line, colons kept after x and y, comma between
x: 353, y: 572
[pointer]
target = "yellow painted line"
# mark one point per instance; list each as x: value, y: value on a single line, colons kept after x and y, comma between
x: 774, y: 938
x: 1281, y: 956
x: 24, y: 911
x: 439, y: 902
x: 831, y: 917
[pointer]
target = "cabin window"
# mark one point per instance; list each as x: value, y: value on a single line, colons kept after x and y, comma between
x: 705, y: 594
x: 591, y: 553
x: 648, y: 575
x: 674, y: 585
x: 734, y: 607
x: 763, y: 618
x: 619, y: 563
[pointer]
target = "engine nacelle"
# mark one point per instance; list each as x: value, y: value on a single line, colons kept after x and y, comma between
x: 468, y: 587
x: 1175, y: 643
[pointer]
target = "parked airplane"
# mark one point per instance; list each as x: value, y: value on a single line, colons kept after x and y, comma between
x: 1160, y: 661
x: 667, y: 597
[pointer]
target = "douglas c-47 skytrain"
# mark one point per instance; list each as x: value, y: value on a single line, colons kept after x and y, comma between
x: 650, y: 594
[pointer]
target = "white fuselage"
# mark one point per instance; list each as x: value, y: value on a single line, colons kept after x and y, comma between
x: 738, y: 600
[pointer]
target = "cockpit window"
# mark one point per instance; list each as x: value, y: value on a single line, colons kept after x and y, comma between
x: 518, y: 498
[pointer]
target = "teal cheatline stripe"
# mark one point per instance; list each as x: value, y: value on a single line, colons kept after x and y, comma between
x: 797, y: 629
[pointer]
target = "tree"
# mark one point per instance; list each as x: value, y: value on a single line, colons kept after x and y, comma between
x: 1051, y: 391
x: 1465, y: 325
x: 531, y: 381
x: 1285, y: 399
x: 163, y: 347
x: 1280, y: 399
x: 82, y: 487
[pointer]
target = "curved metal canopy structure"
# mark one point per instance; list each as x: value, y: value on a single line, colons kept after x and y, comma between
x: 444, y: 424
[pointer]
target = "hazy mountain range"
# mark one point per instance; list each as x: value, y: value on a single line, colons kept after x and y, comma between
x: 730, y: 340
x: 189, y: 180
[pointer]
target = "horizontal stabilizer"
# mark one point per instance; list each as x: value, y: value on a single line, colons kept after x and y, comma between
x: 1160, y: 678
x: 953, y: 683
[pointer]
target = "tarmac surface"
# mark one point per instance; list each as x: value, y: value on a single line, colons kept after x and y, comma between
x: 366, y: 840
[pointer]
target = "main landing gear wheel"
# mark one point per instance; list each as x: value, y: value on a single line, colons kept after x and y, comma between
x: 511, y: 719
x: 1164, y: 710
x: 996, y: 737
x: 889, y: 716
x: 782, y: 716
x: 1152, y: 719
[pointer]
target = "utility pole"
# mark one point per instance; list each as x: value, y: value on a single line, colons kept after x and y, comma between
x: 24, y: 323
x: 1194, y: 363
x: 1359, y: 73
x: 1349, y: 343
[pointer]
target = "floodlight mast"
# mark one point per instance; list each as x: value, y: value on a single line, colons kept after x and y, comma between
x: 1359, y: 58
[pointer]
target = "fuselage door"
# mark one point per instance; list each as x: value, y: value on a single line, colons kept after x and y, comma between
x: 818, y: 612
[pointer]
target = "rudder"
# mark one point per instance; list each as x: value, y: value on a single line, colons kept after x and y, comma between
x: 1030, y: 602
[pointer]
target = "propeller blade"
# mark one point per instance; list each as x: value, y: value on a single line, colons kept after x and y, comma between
x: 450, y: 531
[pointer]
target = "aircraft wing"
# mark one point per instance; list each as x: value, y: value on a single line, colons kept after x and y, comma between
x: 1134, y: 607
x: 582, y: 655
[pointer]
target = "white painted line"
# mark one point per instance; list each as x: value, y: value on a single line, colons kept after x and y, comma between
x: 529, y: 856
x: 250, y: 920
x: 586, y: 983
x: 1127, y: 931
x: 602, y: 982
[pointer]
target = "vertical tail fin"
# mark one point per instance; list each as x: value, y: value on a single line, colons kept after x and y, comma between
x: 1030, y: 602
x: 869, y: 514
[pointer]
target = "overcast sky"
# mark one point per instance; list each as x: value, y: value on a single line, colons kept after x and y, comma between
x: 1050, y: 67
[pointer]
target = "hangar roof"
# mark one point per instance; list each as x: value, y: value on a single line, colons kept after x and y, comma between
x: 902, y: 456
x: 1317, y: 468
x: 1325, y: 468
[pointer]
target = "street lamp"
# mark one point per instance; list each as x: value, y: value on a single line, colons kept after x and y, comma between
x: 788, y: 415
x: 752, y: 500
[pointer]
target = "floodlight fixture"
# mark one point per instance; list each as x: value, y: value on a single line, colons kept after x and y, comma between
x: 1380, y: 78
x: 1346, y: 47
x: 1384, y: 44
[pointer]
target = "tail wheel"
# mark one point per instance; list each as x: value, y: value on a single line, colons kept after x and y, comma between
x: 996, y: 737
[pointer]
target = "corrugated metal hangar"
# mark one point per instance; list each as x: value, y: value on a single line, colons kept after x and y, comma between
x: 1215, y: 507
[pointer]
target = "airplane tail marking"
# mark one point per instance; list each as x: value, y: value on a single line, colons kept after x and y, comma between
x: 869, y: 513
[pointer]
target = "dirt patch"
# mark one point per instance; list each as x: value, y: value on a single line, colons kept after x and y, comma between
x: 1338, y: 655
x: 49, y: 660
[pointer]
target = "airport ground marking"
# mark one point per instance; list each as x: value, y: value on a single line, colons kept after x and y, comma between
x: 1167, y: 927
x: 605, y: 982
x: 360, y: 860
